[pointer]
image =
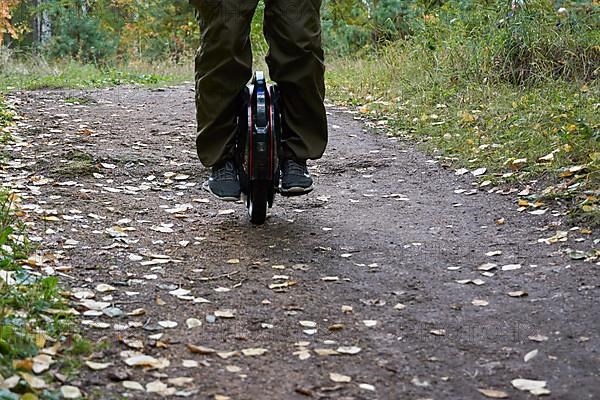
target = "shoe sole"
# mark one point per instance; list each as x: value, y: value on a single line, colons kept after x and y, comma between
x: 295, y: 191
x: 206, y: 187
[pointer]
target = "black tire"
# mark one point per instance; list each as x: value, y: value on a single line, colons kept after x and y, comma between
x: 258, y: 199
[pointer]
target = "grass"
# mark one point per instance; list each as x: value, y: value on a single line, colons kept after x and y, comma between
x: 35, y: 72
x: 32, y: 307
x: 79, y: 164
x: 446, y: 89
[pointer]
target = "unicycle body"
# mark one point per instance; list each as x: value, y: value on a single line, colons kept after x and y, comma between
x: 258, y: 146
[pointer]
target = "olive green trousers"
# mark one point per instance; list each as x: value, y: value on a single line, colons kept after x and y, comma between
x: 223, y: 66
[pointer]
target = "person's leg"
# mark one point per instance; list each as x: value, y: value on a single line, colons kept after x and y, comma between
x: 223, y: 67
x: 293, y: 30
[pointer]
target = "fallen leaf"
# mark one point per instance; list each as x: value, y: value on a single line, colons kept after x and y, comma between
x: 538, y: 338
x: 132, y: 385
x: 41, y: 363
x: 254, y: 352
x: 96, y: 366
x: 493, y: 394
x: 189, y: 363
x: 352, y: 350
x: 326, y: 352
x: 200, y: 349
x: 518, y: 293
x: 160, y: 388
x: 224, y: 314
x: 479, y: 171
x: 168, y: 324
x: 537, y: 388
x: 105, y: 288
x: 193, y: 323
x: 366, y: 386
x: 339, y: 378
x: 34, y: 381
x: 70, y: 392
x: 227, y: 354
x: 530, y: 355
x: 180, y: 381
x: 143, y: 360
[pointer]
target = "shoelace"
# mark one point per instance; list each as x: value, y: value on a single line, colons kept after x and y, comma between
x: 294, y: 168
x: 226, y: 173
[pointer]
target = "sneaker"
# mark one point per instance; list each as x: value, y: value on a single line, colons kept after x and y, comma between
x: 295, y: 179
x: 223, y: 182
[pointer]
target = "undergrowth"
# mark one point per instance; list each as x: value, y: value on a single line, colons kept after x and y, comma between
x: 32, y: 308
x: 515, y: 92
x: 37, y: 72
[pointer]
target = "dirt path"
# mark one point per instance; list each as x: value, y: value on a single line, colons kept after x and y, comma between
x: 357, y: 279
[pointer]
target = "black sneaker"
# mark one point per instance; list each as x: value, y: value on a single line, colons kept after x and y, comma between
x: 295, y: 179
x: 223, y: 182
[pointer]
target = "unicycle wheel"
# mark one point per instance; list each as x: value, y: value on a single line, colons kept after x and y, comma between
x: 258, y: 201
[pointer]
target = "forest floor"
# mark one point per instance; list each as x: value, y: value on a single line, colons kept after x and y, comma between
x: 395, y: 279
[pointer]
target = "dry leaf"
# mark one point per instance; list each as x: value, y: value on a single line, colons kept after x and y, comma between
x: 132, y: 385
x: 517, y: 293
x: 193, y: 323
x: 530, y: 355
x: 70, y: 392
x: 160, y: 388
x: 224, y: 314
x: 189, y: 363
x: 538, y: 338
x: 254, y: 352
x: 200, y: 349
x: 493, y: 394
x: 339, y: 378
x: 96, y: 366
x: 326, y: 352
x: 41, y: 363
x: 537, y: 388
x: 511, y: 267
x: 366, y: 386
x: 352, y: 350
x: 168, y: 324
x: 143, y: 360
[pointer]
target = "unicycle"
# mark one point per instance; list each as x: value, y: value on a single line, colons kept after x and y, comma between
x: 258, y: 146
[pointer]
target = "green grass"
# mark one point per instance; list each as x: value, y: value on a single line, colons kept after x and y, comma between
x: 446, y: 89
x: 35, y: 72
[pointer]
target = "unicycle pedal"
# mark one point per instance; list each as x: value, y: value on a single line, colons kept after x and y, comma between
x: 258, y: 145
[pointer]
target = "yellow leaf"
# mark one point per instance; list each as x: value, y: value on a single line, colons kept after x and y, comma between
x: 40, y: 340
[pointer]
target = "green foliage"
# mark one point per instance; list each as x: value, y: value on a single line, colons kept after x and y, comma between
x: 446, y: 85
x: 351, y: 26
x: 80, y: 36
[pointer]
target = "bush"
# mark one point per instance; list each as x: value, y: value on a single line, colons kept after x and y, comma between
x: 81, y: 37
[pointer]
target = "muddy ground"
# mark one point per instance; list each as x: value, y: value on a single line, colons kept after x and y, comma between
x: 357, y: 279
